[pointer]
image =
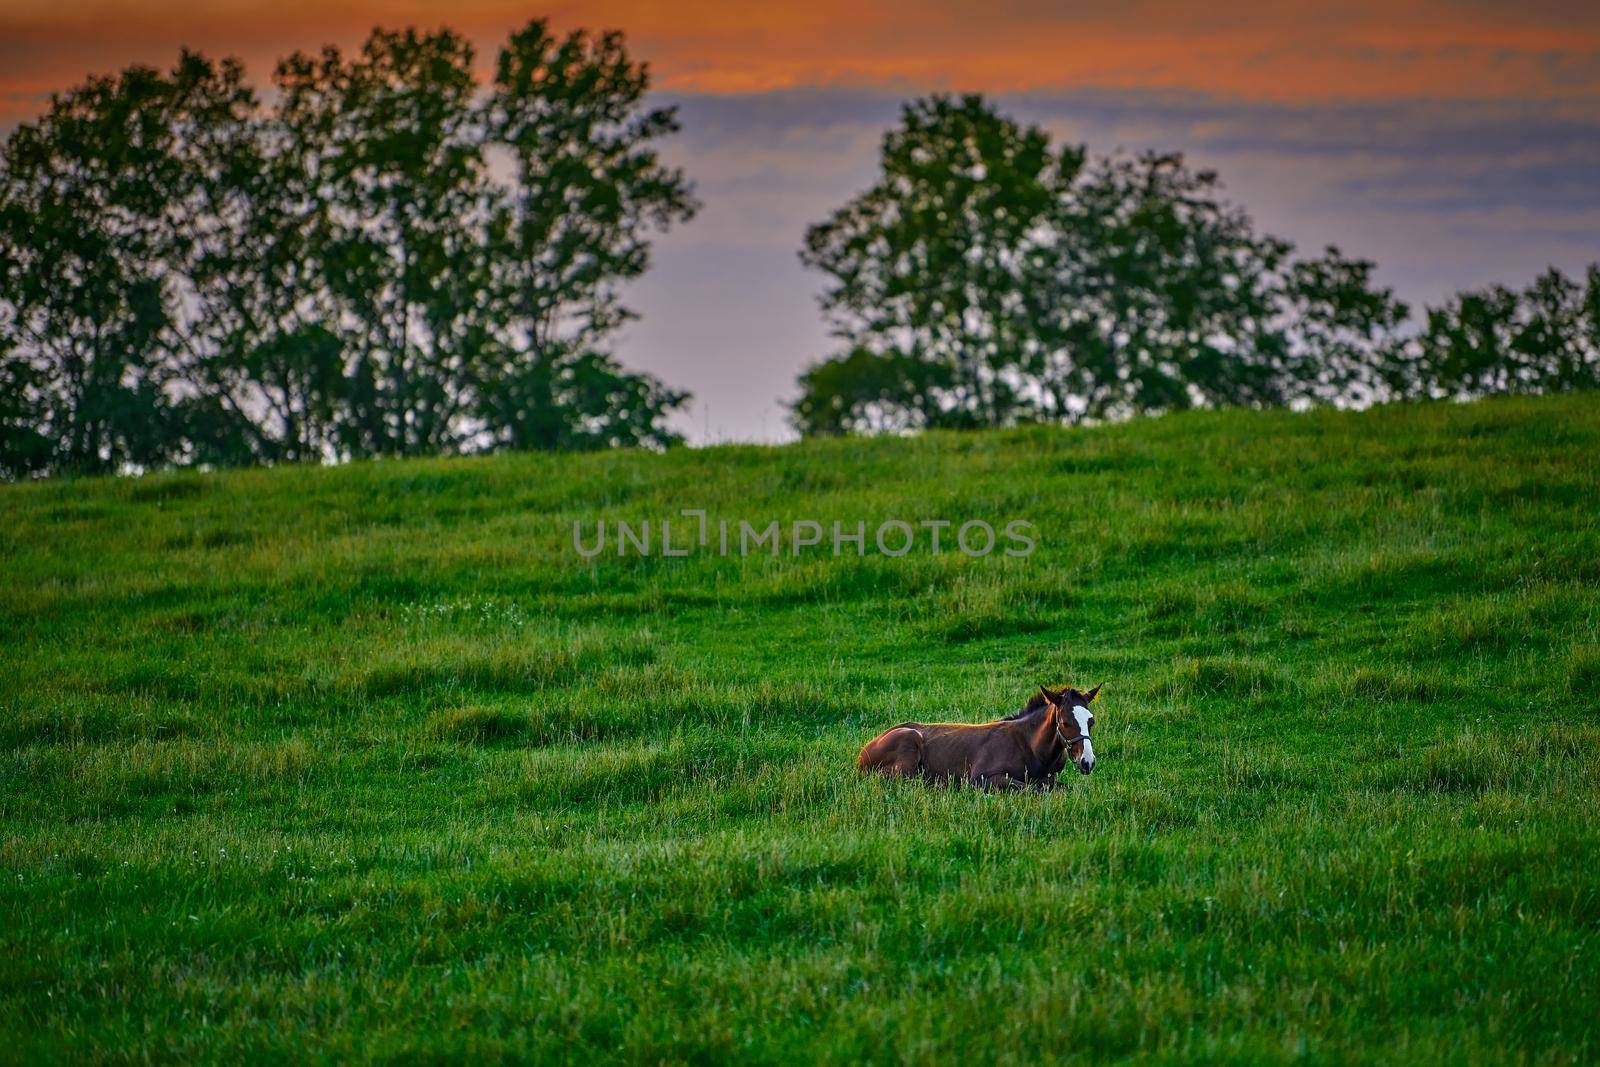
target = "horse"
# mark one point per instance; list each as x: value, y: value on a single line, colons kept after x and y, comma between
x: 1023, y: 750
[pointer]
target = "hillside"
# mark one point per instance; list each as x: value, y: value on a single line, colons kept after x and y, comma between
x: 367, y: 762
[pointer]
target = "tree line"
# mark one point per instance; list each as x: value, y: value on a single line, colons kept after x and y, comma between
x: 991, y: 277
x: 385, y: 257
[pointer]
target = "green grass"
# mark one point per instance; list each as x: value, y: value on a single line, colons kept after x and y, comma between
x: 365, y: 763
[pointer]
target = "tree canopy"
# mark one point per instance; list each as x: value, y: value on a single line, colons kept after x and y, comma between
x: 387, y: 259
x: 990, y: 277
x: 386, y: 256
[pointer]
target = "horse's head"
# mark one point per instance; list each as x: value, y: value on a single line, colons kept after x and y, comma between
x: 1074, y: 723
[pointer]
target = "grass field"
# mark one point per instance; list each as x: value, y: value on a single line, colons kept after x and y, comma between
x: 367, y: 763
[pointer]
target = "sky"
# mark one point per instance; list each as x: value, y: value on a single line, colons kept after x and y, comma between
x: 1454, y: 142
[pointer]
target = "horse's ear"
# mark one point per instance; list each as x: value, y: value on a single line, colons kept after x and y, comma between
x: 1088, y: 698
x: 1048, y: 699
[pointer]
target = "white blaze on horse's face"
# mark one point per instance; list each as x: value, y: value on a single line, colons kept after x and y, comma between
x: 1084, y: 721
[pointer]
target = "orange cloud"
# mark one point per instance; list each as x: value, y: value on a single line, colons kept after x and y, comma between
x: 1280, y: 50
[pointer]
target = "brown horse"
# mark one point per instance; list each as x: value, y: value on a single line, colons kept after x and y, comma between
x: 1026, y: 749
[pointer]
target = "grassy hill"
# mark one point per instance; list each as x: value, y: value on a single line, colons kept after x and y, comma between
x: 368, y: 762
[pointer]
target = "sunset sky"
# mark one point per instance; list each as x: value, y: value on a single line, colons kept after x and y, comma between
x: 1456, y: 142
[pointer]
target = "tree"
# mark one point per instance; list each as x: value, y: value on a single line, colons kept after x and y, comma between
x: 392, y: 139
x: 1497, y: 340
x: 573, y: 225
x: 1591, y: 320
x: 873, y: 392
x: 83, y: 309
x: 259, y: 349
x: 25, y: 448
x: 188, y: 276
x: 1162, y: 295
x: 1556, y: 338
x: 1466, y: 348
x: 473, y: 310
x: 937, y: 263
x: 1028, y: 282
x: 1345, y: 334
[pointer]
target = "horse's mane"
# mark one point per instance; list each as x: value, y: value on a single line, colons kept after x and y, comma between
x: 1034, y: 703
